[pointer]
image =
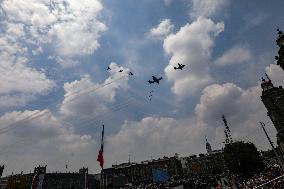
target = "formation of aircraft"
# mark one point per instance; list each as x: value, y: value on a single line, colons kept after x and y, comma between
x: 180, y: 66
x: 130, y: 73
x: 155, y: 80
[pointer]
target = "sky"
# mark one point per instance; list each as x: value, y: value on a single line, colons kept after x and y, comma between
x: 56, y: 91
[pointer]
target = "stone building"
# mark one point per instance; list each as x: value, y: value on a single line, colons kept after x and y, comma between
x: 206, y: 164
x: 140, y: 172
x: 208, y: 146
x: 273, y: 99
x: 76, y: 180
x: 280, y: 43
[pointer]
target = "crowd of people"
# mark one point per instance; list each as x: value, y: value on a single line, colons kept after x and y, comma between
x: 194, y: 182
x: 271, y: 178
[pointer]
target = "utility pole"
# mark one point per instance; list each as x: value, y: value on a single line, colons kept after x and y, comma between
x: 272, y: 145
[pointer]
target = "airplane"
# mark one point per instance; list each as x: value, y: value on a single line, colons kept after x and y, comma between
x: 108, y: 68
x: 130, y: 73
x: 180, y: 66
x: 155, y: 80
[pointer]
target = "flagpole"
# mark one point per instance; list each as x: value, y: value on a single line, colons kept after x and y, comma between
x: 101, y: 160
x: 103, y: 133
x: 85, y: 179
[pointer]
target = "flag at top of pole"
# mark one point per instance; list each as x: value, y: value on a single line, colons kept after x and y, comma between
x: 100, y: 158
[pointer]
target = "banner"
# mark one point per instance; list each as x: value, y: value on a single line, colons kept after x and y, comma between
x: 40, y: 181
x: 100, y: 158
x: 160, y: 175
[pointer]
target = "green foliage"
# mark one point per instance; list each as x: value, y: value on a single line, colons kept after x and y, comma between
x: 243, y: 158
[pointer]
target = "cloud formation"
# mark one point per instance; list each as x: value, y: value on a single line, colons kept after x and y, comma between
x: 19, y: 82
x: 85, y: 98
x: 154, y: 137
x: 168, y: 2
x: 42, y: 141
x: 207, y: 8
x: 276, y: 74
x: 162, y: 30
x: 191, y: 46
x: 236, y: 55
x: 69, y: 28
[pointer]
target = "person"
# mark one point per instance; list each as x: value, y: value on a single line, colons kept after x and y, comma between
x: 218, y: 186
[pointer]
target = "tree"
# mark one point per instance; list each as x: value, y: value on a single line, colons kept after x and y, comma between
x: 243, y: 158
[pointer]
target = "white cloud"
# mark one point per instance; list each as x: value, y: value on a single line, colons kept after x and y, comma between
x: 228, y: 98
x: 43, y: 141
x: 243, y: 109
x: 17, y: 79
x: 14, y: 100
x: 207, y: 8
x: 156, y: 137
x: 14, y: 31
x: 276, y: 74
x: 96, y: 95
x: 191, y: 46
x: 168, y: 2
x: 252, y: 20
x: 162, y: 30
x: 71, y: 27
x: 236, y: 55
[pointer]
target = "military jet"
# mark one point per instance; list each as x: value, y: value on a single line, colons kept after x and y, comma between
x: 130, y: 73
x: 180, y: 66
x: 108, y: 68
x: 155, y: 80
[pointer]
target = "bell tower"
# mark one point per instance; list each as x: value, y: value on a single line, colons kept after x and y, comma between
x: 208, y: 146
x: 280, y: 43
x: 273, y: 99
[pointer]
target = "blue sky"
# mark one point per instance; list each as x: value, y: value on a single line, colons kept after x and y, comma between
x: 56, y: 88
